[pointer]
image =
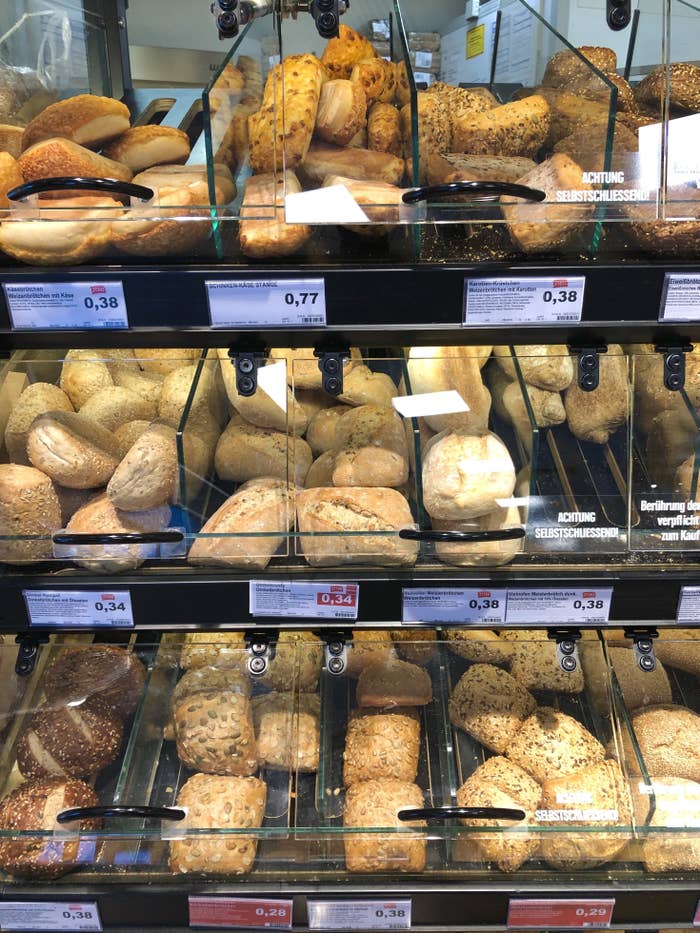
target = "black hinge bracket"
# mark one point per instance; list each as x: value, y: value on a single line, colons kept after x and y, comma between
x: 643, y: 637
x: 246, y: 363
x: 567, y: 647
x: 335, y: 650
x: 28, y: 653
x: 588, y: 372
x: 674, y: 364
x: 330, y: 362
x: 260, y: 646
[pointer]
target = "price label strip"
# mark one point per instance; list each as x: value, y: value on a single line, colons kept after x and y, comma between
x: 79, y: 608
x: 359, y: 915
x: 61, y: 305
x: 267, y: 303
x: 681, y: 297
x: 559, y: 607
x: 562, y: 914
x: 237, y: 912
x: 50, y: 915
x: 454, y: 605
x: 304, y: 600
x: 689, y: 606
x: 554, y: 300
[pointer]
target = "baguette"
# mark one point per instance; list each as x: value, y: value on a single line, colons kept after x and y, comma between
x: 516, y: 129
x: 141, y: 147
x: 343, y: 52
x: 54, y: 157
x: 85, y: 119
x: 384, y: 129
x: 262, y: 230
x: 342, y: 111
x: 361, y: 164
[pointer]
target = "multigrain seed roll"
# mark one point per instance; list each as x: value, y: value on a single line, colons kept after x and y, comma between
x: 68, y: 741
x: 393, y: 683
x: 368, y: 646
x: 214, y: 733
x: 551, y: 744
x: 515, y: 129
x: 415, y: 644
x: 534, y: 663
x: 684, y: 87
x: 511, y: 779
x: 287, y: 730
x: 200, y: 680
x: 35, y: 805
x: 508, y: 851
x: 490, y: 705
x: 376, y: 803
x: 296, y: 664
x: 381, y: 744
x: 100, y: 676
x: 565, y: 66
x: 484, y: 646
x: 213, y: 649
x: 219, y: 803
x: 29, y: 513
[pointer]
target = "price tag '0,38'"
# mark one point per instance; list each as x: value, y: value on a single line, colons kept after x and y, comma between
x: 304, y: 600
x: 527, y: 300
x: 50, y: 915
x: 267, y: 303
x: 79, y: 608
x: 61, y: 305
x: 359, y: 915
x: 237, y: 912
x: 559, y: 607
x: 560, y: 914
x: 454, y: 605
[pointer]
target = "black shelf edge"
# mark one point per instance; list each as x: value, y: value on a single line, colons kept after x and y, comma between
x: 366, y: 305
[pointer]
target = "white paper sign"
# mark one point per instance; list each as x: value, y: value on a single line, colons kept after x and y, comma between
x: 689, y: 606
x: 79, y: 608
x: 331, y: 205
x: 60, y: 305
x: 359, y: 915
x: 50, y: 915
x: 681, y: 301
x: 454, y: 605
x: 527, y: 300
x: 430, y: 403
x: 304, y: 600
x: 559, y: 607
x: 267, y: 303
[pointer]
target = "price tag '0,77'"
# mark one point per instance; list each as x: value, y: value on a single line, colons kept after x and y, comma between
x: 79, y: 608
x: 267, y: 303
x: 359, y: 915
x: 304, y: 600
x: 61, y: 305
x: 527, y: 300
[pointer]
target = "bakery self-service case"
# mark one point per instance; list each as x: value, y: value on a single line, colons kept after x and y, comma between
x: 216, y: 523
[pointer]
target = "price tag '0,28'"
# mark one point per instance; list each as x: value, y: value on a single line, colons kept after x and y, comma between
x: 236, y: 912
x: 304, y: 600
x: 560, y: 914
x: 61, y: 305
x: 359, y: 915
x: 79, y: 608
x: 454, y: 605
x: 50, y: 915
x: 267, y: 303
x: 527, y: 300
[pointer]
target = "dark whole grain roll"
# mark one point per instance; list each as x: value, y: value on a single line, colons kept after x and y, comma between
x: 34, y: 806
x: 103, y: 676
x: 68, y: 741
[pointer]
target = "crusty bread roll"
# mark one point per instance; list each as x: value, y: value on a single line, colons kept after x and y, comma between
x: 344, y: 51
x: 10, y: 177
x: 547, y: 410
x: 466, y: 476
x: 384, y: 129
x: 222, y: 650
x: 516, y: 129
x: 177, y: 394
x: 376, y: 804
x: 342, y: 111
x: 391, y: 683
x: 147, y: 386
x: 446, y: 167
x: 302, y: 366
x: 287, y: 730
x: 260, y: 409
x: 113, y: 406
x: 484, y: 646
x: 639, y: 688
x: 246, y: 451
x: 85, y: 119
x: 508, y: 850
x: 165, y: 360
x: 323, y: 512
x: 667, y: 737
x: 11, y: 139
x: 179, y: 224
x: 313, y: 401
x: 370, y: 448
x: 594, y: 416
x: 127, y: 434
x: 37, y: 398
x: 551, y: 744
x: 321, y: 471
x: 546, y: 366
x: 362, y: 386
x: 55, y: 157
x: 320, y: 434
x: 381, y: 203
x: 368, y: 646
x: 484, y: 553
x: 565, y: 66
x: 29, y: 513
x: 490, y: 705
x: 263, y: 197
x: 418, y: 645
x: 534, y: 663
x: 381, y: 744
x: 148, y: 475
x: 72, y: 449
x: 144, y: 146
x: 442, y: 369
x: 183, y: 176
x: 322, y: 160
x: 248, y: 528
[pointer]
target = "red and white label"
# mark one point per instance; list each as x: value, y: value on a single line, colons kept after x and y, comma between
x: 359, y: 915
x: 454, y: 605
x: 562, y: 914
x: 246, y: 912
x: 304, y: 600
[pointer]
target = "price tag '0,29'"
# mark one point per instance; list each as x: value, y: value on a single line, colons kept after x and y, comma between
x: 61, y: 305
x: 454, y: 605
x: 527, y: 300
x: 50, y: 915
x: 359, y: 915
x: 304, y: 600
x: 79, y: 608
x: 267, y: 303
x: 236, y: 912
x: 559, y: 607
x: 560, y: 914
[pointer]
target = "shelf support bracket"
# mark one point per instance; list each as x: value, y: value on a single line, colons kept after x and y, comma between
x: 643, y: 637
x: 335, y: 650
x: 567, y: 647
x: 261, y: 650
x: 330, y: 362
x: 588, y: 371
x: 28, y: 653
x: 674, y: 364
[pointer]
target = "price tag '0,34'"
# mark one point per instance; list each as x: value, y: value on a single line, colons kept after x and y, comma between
x: 560, y: 914
x: 304, y: 600
x: 50, y: 915
x: 527, y: 300
x: 237, y: 912
x: 267, y: 303
x: 559, y: 607
x: 359, y: 915
x: 454, y: 605
x: 79, y: 608
x: 61, y: 305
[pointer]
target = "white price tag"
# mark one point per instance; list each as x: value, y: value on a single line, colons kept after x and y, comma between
x: 681, y: 298
x: 453, y: 605
x: 267, y: 303
x: 359, y: 915
x: 689, y: 606
x: 60, y: 305
x: 424, y: 59
x: 50, y: 915
x: 79, y: 608
x: 559, y: 607
x: 304, y: 600
x: 527, y: 300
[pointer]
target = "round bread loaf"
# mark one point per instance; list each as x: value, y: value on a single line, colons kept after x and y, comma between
x: 35, y: 805
x: 29, y: 513
x: 668, y: 738
x: 103, y: 677
x: 551, y: 744
x: 113, y: 406
x: 83, y: 373
x: 37, y: 399
x: 72, y: 450
x: 565, y: 66
x: 67, y: 741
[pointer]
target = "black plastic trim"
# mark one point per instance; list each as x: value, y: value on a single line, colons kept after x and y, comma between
x: 503, y: 534
x: 107, y: 813
x: 461, y: 813
x: 482, y: 191
x: 79, y: 183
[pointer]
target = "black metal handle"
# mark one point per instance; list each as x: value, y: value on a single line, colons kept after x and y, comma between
x: 78, y: 183
x: 106, y: 813
x: 141, y: 537
x: 483, y: 191
x: 503, y: 534
x: 462, y: 813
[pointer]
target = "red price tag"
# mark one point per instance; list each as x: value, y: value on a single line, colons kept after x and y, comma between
x: 560, y: 914
x: 338, y: 595
x: 240, y: 912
